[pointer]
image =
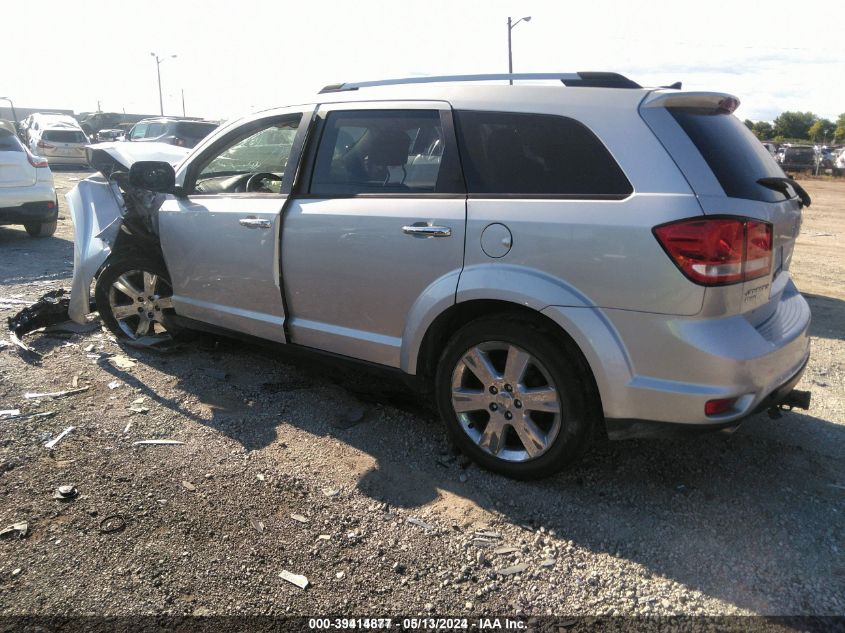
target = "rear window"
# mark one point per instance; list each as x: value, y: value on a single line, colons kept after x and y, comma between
x: 733, y: 153
x: 9, y: 142
x: 64, y: 136
x: 194, y: 130
x: 516, y: 153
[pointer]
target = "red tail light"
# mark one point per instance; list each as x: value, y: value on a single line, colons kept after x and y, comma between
x: 717, y: 407
x: 36, y: 161
x: 43, y: 145
x: 718, y: 251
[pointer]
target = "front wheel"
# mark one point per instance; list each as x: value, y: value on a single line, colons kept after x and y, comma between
x: 134, y: 297
x: 515, y: 398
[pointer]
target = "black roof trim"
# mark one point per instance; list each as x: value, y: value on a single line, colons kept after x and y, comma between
x: 600, y: 80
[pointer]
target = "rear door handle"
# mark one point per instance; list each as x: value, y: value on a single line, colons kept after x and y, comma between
x: 426, y: 230
x: 255, y: 223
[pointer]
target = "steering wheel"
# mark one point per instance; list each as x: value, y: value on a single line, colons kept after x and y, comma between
x: 254, y: 181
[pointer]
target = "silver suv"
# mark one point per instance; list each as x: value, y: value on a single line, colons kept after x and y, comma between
x: 551, y: 262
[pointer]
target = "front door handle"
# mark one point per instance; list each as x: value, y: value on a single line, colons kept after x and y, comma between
x: 426, y: 230
x: 255, y: 223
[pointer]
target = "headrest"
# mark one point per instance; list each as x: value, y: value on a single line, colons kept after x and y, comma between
x: 389, y: 148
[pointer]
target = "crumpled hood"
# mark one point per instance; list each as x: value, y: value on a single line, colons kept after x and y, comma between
x: 106, y: 157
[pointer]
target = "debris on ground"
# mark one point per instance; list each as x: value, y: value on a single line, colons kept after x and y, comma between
x: 510, y: 571
x: 11, y: 413
x: 27, y: 416
x: 111, y: 524
x: 55, y: 394
x: 114, y: 384
x: 73, y: 327
x: 128, y: 426
x: 137, y: 409
x: 257, y: 525
x: 52, y: 443
x: 419, y: 523
x: 299, y: 518
x: 158, y: 343
x: 187, y: 485
x: 157, y: 442
x: 295, y: 579
x: 50, y: 309
x: 331, y: 492
x: 19, y: 529
x: 122, y: 362
x: 349, y: 418
x: 65, y: 493
x: 500, y: 551
x: 488, y: 535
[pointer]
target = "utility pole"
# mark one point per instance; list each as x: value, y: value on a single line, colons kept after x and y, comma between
x: 158, y: 74
x: 183, y: 102
x: 511, y: 26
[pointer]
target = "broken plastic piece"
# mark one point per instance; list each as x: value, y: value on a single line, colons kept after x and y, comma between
x: 65, y: 493
x: 55, y: 394
x: 19, y: 529
x: 50, y: 309
x: 420, y: 523
x: 52, y: 443
x: 295, y: 579
x: 161, y: 442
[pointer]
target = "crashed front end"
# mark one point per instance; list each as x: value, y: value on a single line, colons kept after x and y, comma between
x: 110, y: 214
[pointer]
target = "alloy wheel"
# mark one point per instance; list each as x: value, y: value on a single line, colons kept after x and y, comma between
x: 506, y: 401
x: 137, y: 300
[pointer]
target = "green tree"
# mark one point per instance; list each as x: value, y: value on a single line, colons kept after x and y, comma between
x: 822, y: 130
x: 794, y: 124
x: 763, y: 130
x: 749, y: 124
x: 839, y: 132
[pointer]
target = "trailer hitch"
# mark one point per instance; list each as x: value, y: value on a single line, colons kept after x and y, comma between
x: 795, y: 399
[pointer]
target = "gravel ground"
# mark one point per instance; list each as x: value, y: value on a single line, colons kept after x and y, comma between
x: 343, y: 477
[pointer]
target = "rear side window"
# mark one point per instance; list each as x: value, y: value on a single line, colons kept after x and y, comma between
x: 9, y: 142
x: 516, y: 153
x: 384, y: 151
x: 155, y: 130
x: 733, y: 153
x: 194, y: 130
x: 64, y: 136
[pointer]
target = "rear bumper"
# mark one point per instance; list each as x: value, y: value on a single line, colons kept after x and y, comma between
x: 45, y: 211
x: 664, y: 369
x: 67, y: 160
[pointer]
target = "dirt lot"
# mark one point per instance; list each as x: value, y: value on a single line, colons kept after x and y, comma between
x: 390, y: 518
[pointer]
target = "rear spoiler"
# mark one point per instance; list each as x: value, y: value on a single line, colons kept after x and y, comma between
x: 706, y: 100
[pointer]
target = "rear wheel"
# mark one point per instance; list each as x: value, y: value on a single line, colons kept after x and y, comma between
x: 41, y: 229
x: 135, y: 299
x: 515, y: 398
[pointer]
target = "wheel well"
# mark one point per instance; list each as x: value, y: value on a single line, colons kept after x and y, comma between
x: 450, y: 321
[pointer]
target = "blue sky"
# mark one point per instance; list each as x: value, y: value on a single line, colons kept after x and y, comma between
x: 235, y: 57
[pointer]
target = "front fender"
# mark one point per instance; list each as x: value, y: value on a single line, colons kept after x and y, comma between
x: 96, y: 207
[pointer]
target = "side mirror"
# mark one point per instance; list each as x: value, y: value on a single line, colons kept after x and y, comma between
x: 153, y: 175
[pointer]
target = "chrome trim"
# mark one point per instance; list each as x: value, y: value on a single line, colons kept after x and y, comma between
x: 427, y: 230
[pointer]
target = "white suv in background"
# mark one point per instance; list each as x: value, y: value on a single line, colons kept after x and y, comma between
x: 27, y: 195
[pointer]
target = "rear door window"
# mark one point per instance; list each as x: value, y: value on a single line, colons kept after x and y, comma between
x: 732, y: 152
x: 9, y: 142
x: 155, y: 130
x: 384, y: 151
x: 64, y: 136
x: 535, y: 154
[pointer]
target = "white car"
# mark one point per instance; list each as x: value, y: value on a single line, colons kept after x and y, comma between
x: 60, y: 144
x: 27, y: 195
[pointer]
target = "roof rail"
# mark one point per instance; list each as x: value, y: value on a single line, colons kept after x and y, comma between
x: 579, y: 79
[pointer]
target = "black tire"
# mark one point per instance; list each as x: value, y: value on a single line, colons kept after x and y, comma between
x: 41, y: 229
x: 562, y: 364
x: 130, y: 263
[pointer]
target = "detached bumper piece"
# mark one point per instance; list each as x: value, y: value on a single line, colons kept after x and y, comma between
x: 50, y: 309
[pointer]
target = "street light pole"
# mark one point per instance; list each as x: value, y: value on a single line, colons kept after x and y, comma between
x: 12, y: 106
x: 511, y: 26
x: 158, y: 74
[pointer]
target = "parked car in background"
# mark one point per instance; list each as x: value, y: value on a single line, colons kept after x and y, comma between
x: 27, y: 195
x: 798, y: 158
x: 173, y: 131
x: 60, y: 144
x: 37, y: 121
x: 546, y: 262
x: 839, y: 163
x: 103, y: 136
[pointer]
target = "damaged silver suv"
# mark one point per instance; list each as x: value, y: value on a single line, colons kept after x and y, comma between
x: 552, y: 262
